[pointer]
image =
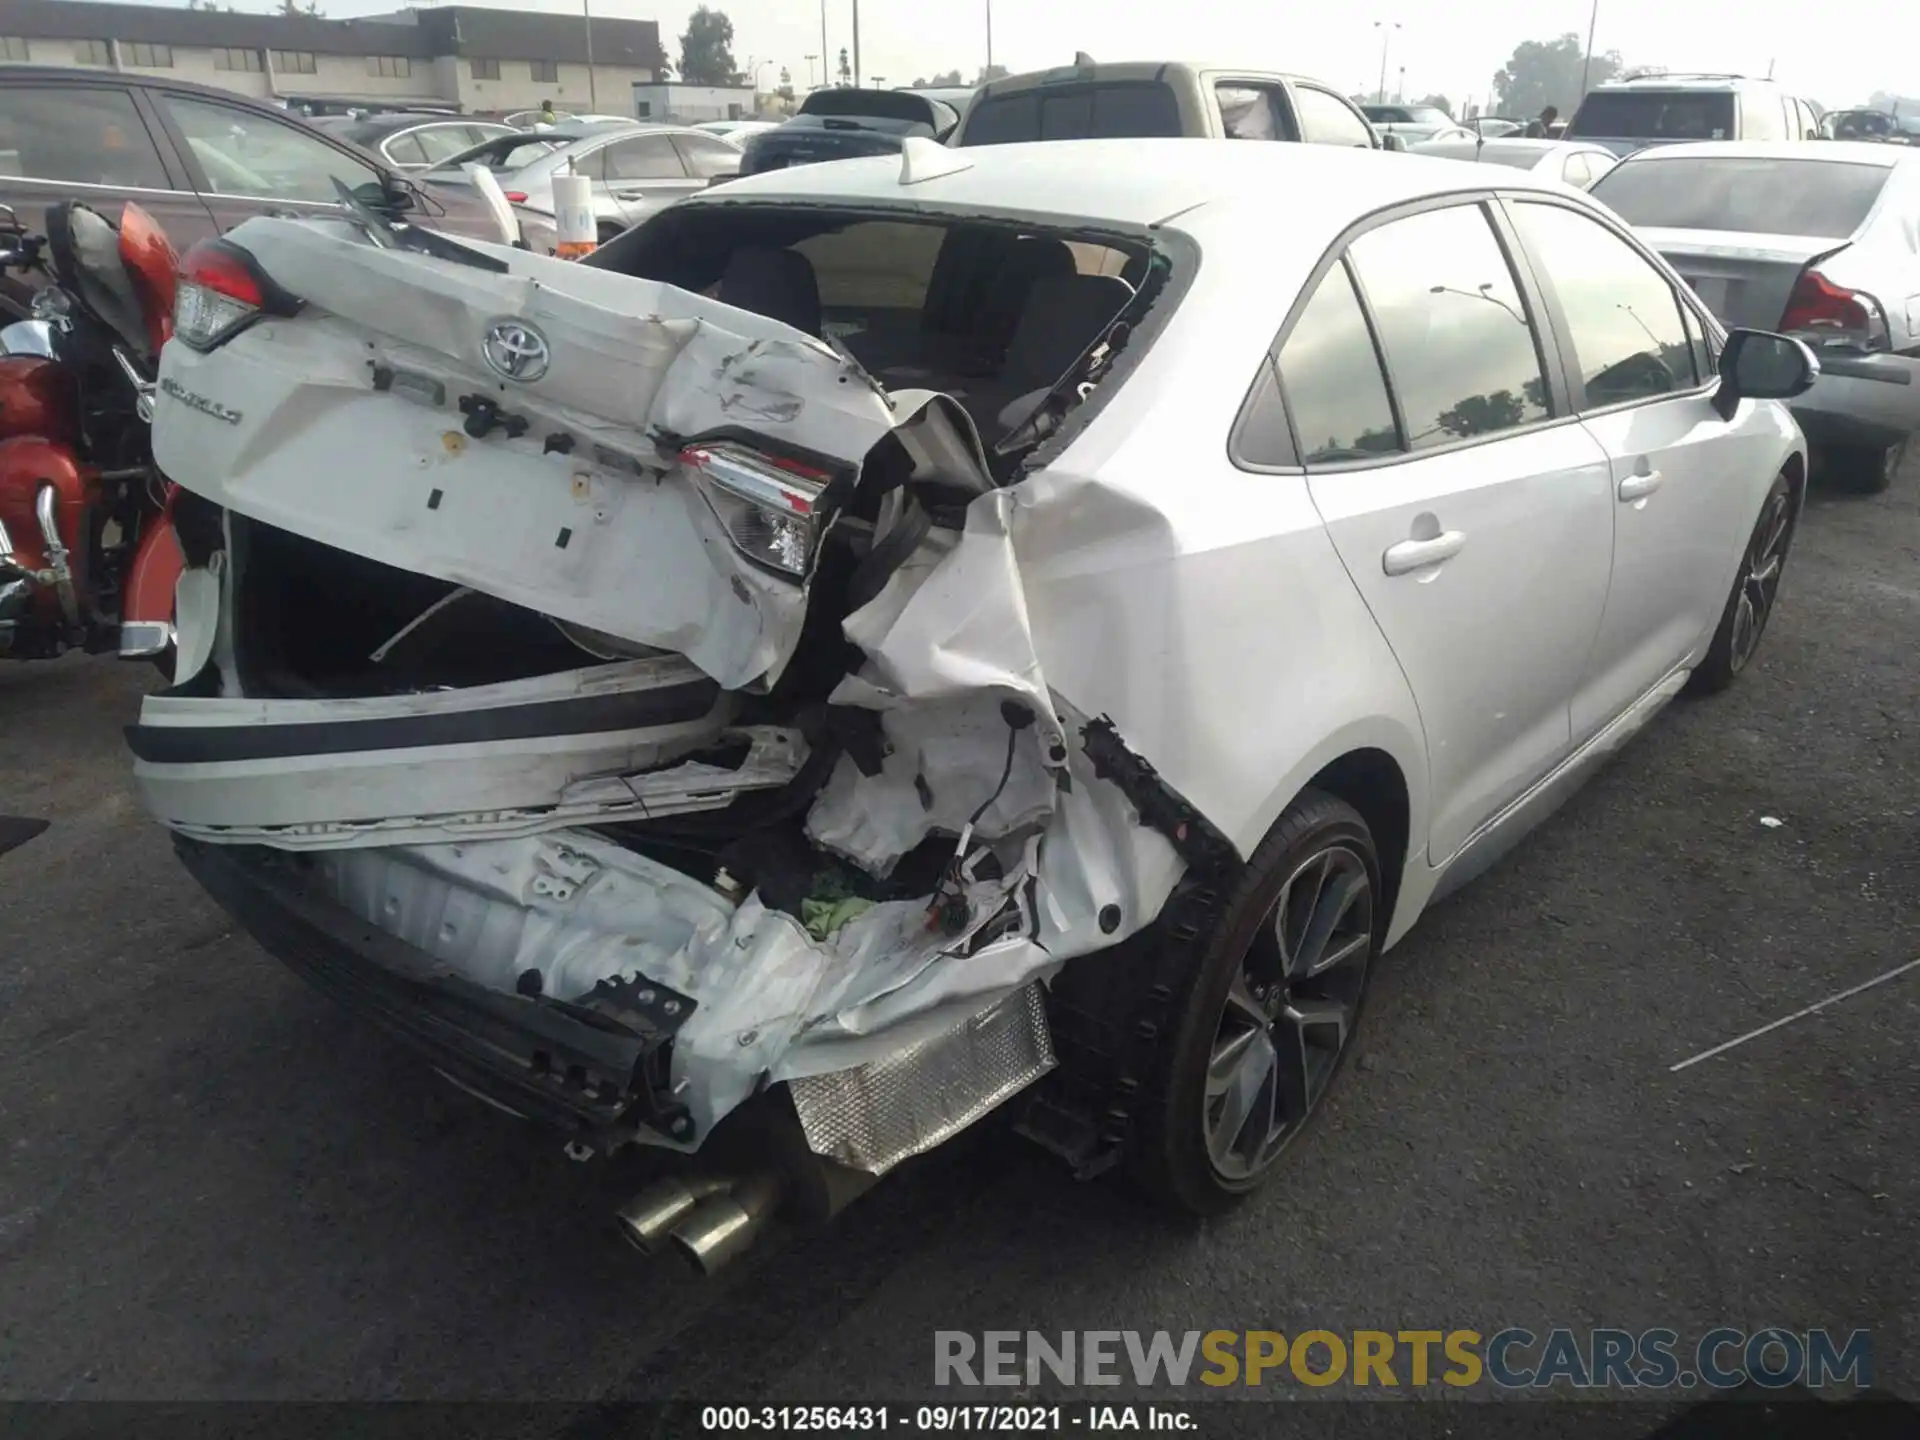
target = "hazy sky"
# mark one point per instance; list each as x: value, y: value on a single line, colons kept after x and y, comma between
x: 1853, y: 47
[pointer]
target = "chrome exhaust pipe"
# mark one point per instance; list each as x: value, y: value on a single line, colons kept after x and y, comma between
x: 723, y: 1227
x: 647, y: 1219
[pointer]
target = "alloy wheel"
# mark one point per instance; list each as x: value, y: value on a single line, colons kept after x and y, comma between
x: 1289, y: 1013
x: 1760, y: 578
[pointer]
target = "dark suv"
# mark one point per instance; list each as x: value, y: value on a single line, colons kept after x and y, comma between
x: 199, y: 160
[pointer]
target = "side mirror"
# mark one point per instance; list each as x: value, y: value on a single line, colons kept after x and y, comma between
x: 1391, y: 141
x: 1759, y: 365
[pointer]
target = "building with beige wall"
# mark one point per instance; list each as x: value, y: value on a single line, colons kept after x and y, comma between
x: 461, y: 57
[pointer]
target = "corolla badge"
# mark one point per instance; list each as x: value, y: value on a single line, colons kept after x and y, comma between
x: 516, y: 350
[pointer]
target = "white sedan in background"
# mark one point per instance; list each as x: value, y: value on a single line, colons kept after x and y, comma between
x: 1571, y: 161
x: 1062, y: 683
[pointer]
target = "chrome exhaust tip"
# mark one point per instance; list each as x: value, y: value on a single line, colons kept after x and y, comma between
x: 647, y: 1219
x: 722, y: 1227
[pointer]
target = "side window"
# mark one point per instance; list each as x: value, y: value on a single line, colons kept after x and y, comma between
x: 651, y: 157
x: 1326, y: 119
x: 1464, y: 358
x: 1332, y: 377
x: 247, y: 154
x: 443, y: 142
x: 79, y: 134
x: 1251, y: 112
x: 1628, y: 338
x: 1263, y: 436
x: 405, y: 149
x: 706, y: 157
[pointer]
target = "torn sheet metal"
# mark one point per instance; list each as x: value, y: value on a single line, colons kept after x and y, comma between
x: 875, y: 1115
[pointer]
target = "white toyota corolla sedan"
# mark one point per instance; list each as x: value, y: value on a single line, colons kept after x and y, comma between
x: 888, y: 637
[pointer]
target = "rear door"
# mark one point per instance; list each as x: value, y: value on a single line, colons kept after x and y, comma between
x: 247, y: 163
x: 640, y: 175
x: 1684, y: 480
x: 89, y: 141
x: 1471, y: 511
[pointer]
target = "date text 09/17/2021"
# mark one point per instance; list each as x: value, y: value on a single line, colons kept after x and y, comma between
x: 940, y: 1419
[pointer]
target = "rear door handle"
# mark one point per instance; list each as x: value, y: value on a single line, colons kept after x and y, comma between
x: 1638, y: 487
x: 629, y: 194
x: 1419, y: 554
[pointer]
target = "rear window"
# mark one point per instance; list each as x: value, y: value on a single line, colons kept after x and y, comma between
x: 1135, y: 110
x: 1656, y: 115
x: 1825, y: 198
x: 897, y: 105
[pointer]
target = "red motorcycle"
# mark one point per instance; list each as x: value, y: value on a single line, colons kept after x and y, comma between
x: 88, y: 557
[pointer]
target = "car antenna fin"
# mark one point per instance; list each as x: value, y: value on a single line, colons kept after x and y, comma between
x: 922, y: 159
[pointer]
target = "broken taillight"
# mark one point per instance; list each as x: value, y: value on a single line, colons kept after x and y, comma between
x: 221, y: 290
x: 1822, y: 312
x: 767, y: 503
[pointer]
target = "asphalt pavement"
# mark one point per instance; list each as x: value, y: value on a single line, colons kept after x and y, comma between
x: 215, y: 1185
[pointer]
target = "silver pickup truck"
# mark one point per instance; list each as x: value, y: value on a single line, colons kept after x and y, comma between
x: 1149, y: 99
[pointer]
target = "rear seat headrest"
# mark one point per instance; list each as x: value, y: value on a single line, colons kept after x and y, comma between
x: 1065, y: 314
x: 779, y: 284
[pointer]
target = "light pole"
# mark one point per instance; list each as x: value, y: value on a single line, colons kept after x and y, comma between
x: 593, y: 95
x: 988, y: 72
x: 1386, y: 29
x: 1586, y: 61
x: 1400, y: 91
x: 856, y: 44
x: 826, y: 55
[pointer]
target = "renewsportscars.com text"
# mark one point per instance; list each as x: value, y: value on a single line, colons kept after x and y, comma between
x: 1511, y: 1359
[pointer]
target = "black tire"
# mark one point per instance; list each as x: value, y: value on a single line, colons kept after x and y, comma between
x: 1863, y: 469
x: 1175, y: 1149
x: 1734, y: 643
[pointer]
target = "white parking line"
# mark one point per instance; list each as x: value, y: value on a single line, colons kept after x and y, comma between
x: 1797, y: 1015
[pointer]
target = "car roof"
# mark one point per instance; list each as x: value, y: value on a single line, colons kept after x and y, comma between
x: 1507, y: 145
x: 65, y: 74
x: 1114, y: 70
x: 1131, y: 183
x: 1849, y: 152
x: 1686, y: 82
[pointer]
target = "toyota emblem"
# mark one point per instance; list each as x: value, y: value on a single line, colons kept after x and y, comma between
x: 516, y: 350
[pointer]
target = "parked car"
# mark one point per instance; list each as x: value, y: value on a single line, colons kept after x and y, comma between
x: 1492, y: 127
x: 197, y: 159
x: 531, y: 119
x: 635, y: 169
x: 1086, y: 100
x: 409, y: 140
x: 1631, y: 114
x: 1881, y: 125
x: 737, y: 130
x: 1411, y: 123
x: 726, y: 747
x: 1570, y: 161
x: 1820, y: 242
x: 843, y: 122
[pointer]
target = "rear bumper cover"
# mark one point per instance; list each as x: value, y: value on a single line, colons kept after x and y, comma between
x: 579, y: 1070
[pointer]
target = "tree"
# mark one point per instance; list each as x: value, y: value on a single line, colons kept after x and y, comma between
x: 785, y: 92
x: 987, y: 72
x: 311, y: 10
x: 1540, y: 73
x: 948, y: 80
x: 706, y: 50
x: 846, y: 67
x: 1440, y: 103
